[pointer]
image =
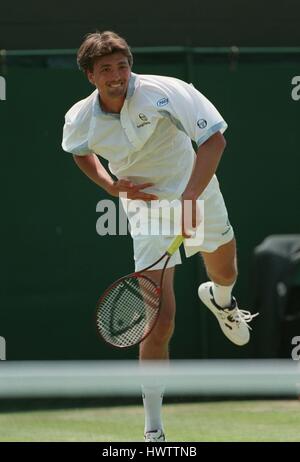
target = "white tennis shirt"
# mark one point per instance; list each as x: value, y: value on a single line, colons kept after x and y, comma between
x: 150, y: 140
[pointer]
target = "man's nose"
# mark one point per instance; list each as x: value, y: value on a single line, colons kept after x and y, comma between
x: 115, y: 74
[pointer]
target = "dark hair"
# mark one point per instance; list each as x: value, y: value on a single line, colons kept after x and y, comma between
x: 101, y: 44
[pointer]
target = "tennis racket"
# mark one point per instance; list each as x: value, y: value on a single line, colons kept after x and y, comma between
x: 129, y: 308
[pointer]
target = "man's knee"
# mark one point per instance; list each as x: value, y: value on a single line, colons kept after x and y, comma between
x: 163, y: 329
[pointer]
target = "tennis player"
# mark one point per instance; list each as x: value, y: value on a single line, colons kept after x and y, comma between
x: 143, y: 125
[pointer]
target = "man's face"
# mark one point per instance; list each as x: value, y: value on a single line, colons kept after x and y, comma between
x: 111, y: 75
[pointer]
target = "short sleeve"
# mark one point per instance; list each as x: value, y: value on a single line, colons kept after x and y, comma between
x: 76, y: 130
x: 191, y: 111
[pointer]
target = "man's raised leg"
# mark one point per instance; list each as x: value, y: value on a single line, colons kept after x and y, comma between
x: 221, y: 268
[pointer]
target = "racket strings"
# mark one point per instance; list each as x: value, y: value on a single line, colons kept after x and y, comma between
x: 128, y: 311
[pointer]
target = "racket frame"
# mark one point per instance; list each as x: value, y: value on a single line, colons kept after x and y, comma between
x: 176, y: 243
x: 137, y: 274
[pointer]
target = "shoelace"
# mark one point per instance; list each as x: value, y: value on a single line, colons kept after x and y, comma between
x: 238, y: 316
x: 153, y: 439
x: 154, y: 436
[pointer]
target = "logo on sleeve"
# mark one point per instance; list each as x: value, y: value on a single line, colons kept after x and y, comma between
x: 202, y: 123
x: 228, y: 228
x: 144, y: 120
x: 162, y: 102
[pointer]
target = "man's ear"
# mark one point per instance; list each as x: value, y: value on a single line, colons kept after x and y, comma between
x: 90, y: 76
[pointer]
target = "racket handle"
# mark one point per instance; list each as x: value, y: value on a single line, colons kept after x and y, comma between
x: 175, y: 245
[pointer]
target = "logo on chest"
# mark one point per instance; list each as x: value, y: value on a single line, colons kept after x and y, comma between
x: 144, y: 120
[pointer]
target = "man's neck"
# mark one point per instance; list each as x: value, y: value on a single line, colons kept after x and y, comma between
x: 112, y: 106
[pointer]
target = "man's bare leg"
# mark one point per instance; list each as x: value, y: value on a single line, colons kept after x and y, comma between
x: 221, y: 265
x: 156, y: 347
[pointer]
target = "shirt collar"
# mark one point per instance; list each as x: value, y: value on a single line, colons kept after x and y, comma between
x: 132, y: 85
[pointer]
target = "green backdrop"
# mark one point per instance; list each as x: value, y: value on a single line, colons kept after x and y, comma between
x: 54, y: 265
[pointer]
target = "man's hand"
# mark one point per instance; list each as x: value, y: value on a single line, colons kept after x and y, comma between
x: 190, y: 218
x: 133, y: 191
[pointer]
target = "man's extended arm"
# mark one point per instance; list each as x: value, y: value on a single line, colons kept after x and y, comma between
x: 91, y: 166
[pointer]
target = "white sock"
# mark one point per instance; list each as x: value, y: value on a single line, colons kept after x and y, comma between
x: 152, y: 400
x: 222, y: 294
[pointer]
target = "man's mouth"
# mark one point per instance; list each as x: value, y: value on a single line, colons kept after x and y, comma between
x: 115, y: 85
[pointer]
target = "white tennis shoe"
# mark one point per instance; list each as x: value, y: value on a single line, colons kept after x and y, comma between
x: 232, y: 320
x: 156, y: 436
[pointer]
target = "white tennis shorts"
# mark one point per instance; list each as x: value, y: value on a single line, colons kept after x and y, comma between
x: 215, y: 225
